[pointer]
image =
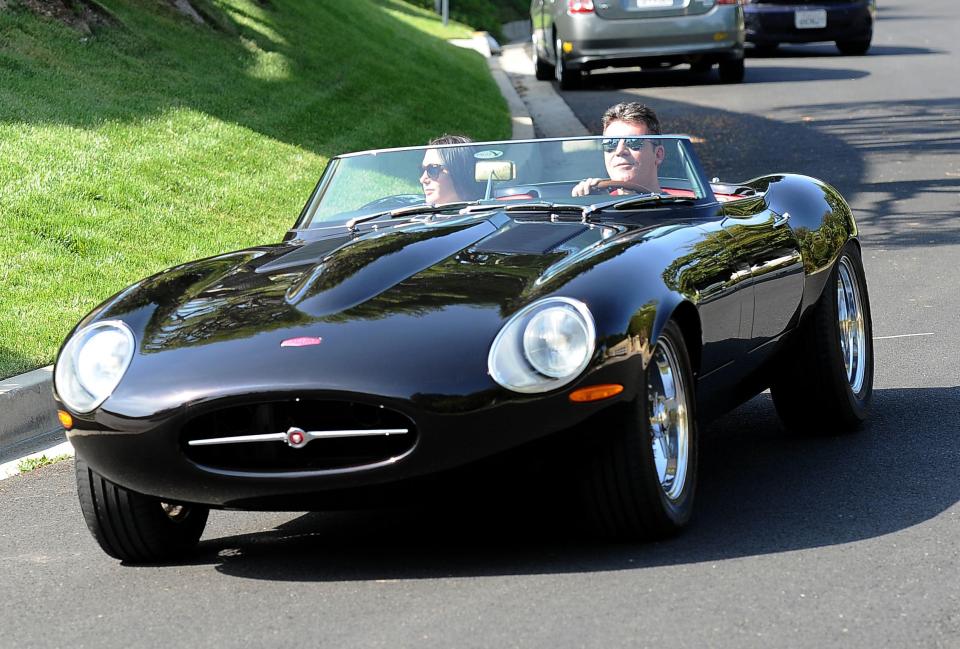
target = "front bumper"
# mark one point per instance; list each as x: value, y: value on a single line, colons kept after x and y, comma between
x: 151, y: 458
x: 770, y: 23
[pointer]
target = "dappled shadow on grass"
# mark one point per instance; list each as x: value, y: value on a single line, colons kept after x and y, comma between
x: 327, y: 77
x: 13, y: 363
x: 761, y: 491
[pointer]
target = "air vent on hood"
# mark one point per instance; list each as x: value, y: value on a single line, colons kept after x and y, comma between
x: 530, y: 238
x: 309, y: 253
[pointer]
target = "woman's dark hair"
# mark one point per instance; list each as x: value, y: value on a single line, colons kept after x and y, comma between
x: 460, y: 165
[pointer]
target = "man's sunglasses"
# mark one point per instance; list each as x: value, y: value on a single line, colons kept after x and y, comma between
x: 433, y: 171
x: 610, y: 144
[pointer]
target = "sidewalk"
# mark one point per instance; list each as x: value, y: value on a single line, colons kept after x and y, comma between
x: 28, y: 420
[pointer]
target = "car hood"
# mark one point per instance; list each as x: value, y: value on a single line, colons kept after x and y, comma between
x: 372, y: 306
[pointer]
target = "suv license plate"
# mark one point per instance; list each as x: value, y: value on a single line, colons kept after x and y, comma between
x: 651, y: 4
x: 815, y: 19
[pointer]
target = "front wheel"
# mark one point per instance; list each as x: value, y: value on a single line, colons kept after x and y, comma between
x: 732, y: 71
x: 824, y: 384
x: 641, y: 482
x: 133, y: 527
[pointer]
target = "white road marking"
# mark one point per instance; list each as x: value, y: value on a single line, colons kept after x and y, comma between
x: 902, y: 336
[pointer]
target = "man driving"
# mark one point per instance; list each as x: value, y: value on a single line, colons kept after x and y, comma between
x: 631, y: 159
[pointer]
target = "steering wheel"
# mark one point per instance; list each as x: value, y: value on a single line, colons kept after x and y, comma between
x: 622, y: 184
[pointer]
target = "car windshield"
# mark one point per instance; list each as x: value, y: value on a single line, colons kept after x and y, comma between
x: 573, y: 171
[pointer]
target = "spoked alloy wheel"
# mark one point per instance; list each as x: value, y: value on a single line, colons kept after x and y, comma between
x: 669, y: 421
x: 824, y: 379
x: 853, y: 334
x: 641, y: 482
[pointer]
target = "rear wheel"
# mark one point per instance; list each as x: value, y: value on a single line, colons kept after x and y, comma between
x: 641, y: 482
x: 544, y: 70
x: 825, y: 384
x: 766, y: 48
x: 701, y: 67
x: 732, y: 71
x: 133, y: 527
x: 566, y: 78
x: 854, y: 48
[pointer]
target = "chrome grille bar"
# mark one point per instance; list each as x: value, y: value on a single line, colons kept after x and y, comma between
x: 307, y: 435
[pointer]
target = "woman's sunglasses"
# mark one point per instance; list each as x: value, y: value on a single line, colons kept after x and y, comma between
x: 433, y: 171
x: 610, y: 144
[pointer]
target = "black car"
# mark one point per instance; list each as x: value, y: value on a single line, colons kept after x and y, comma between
x: 393, y: 337
x: 849, y: 23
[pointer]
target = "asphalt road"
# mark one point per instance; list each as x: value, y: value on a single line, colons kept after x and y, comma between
x: 852, y: 542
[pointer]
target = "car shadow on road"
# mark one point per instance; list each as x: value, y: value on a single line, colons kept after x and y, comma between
x: 828, y: 50
x: 683, y: 77
x: 761, y: 492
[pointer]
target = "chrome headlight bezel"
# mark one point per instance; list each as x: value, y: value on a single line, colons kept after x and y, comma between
x: 513, y: 365
x: 82, y: 396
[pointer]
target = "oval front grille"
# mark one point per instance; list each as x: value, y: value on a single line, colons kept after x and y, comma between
x: 297, y: 435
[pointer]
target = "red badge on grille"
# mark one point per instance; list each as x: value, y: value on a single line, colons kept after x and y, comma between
x: 302, y: 341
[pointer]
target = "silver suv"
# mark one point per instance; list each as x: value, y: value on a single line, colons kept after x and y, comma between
x: 571, y: 37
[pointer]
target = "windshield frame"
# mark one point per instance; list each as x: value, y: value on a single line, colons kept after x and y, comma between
x: 305, y: 220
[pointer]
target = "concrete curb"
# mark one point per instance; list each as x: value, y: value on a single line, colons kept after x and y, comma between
x: 547, y: 110
x: 520, y: 120
x: 26, y: 409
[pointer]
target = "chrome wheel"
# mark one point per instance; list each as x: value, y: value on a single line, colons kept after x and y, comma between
x: 853, y: 339
x: 174, y: 512
x: 559, y: 69
x: 669, y: 419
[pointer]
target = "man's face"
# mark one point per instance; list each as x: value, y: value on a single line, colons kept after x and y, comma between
x: 632, y: 165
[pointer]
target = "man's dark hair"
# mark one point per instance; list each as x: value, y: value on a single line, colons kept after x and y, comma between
x: 633, y: 112
x: 459, y: 163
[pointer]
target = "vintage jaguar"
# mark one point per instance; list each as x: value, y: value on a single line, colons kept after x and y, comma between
x: 436, y: 307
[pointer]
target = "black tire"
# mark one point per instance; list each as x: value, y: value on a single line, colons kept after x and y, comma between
x: 732, y: 71
x: 566, y: 78
x: 814, y: 391
x: 625, y: 494
x: 136, y: 528
x: 854, y: 48
x: 543, y: 69
x: 701, y: 67
x: 766, y: 48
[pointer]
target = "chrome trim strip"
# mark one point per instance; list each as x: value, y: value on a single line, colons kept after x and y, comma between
x: 309, y: 435
x: 240, y: 439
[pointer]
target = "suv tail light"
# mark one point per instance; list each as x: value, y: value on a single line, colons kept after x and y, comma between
x: 580, y: 6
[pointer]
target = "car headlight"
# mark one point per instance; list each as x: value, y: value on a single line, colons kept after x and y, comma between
x: 92, y: 363
x: 544, y: 346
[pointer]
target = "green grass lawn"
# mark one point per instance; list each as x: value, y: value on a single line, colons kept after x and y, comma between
x: 155, y: 140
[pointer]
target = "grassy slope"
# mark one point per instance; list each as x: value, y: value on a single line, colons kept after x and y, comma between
x: 161, y: 141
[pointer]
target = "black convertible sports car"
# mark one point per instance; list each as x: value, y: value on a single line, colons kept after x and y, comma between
x: 434, y: 307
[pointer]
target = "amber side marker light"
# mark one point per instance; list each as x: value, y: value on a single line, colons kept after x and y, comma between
x: 65, y: 419
x: 595, y: 392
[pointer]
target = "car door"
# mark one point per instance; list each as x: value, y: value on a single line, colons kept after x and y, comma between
x: 767, y: 253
